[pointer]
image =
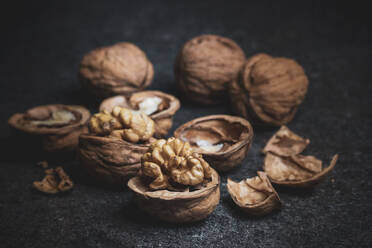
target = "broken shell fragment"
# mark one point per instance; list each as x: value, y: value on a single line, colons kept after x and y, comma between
x: 159, y: 106
x: 296, y: 170
x: 286, y: 143
x: 176, y: 206
x: 223, y: 140
x: 55, y: 181
x: 57, y: 126
x: 255, y: 195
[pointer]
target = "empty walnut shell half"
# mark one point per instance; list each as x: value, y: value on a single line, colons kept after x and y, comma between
x: 269, y: 90
x: 174, y: 206
x: 223, y: 140
x: 159, y: 106
x: 109, y: 160
x: 206, y: 65
x: 255, y: 195
x: 118, y: 69
x: 58, y: 126
x: 285, y: 143
x: 296, y: 170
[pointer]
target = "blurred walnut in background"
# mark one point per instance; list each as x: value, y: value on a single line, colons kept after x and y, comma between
x: 119, y: 69
x: 269, y: 90
x: 206, y: 65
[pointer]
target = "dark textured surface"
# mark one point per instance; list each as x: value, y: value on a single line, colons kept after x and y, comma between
x: 41, y: 46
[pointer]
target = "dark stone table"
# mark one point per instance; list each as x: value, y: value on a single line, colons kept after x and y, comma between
x: 41, y: 46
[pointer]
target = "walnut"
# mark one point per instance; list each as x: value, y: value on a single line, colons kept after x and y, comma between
x: 118, y: 69
x: 223, y: 140
x: 286, y: 166
x: 255, y: 195
x: 55, y: 181
x: 159, y: 106
x: 286, y: 143
x: 206, y: 65
x: 296, y: 170
x: 123, y: 123
x: 173, y: 160
x: 269, y: 90
x: 56, y: 126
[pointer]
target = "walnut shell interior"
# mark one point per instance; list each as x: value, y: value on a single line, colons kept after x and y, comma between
x: 59, y: 126
x: 206, y: 65
x: 108, y: 160
x: 122, y: 68
x: 255, y: 195
x: 177, y: 207
x: 162, y: 116
x: 223, y: 140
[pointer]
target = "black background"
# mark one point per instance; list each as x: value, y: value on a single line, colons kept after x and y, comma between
x: 41, y: 46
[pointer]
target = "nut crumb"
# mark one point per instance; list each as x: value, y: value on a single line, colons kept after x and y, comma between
x: 55, y: 181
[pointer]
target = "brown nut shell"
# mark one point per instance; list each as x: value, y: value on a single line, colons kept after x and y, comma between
x: 122, y: 68
x: 231, y: 133
x: 55, y: 137
x: 296, y: 170
x: 286, y: 143
x: 255, y: 195
x: 177, y: 207
x: 163, y: 117
x: 269, y: 90
x: 206, y: 65
x: 111, y: 161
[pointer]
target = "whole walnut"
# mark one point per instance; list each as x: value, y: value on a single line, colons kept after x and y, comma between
x: 119, y: 69
x: 269, y: 90
x: 206, y: 65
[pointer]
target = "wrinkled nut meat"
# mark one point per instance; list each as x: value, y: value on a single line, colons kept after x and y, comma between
x: 159, y: 106
x: 173, y: 161
x: 55, y: 181
x: 269, y: 90
x: 206, y: 65
x: 122, y: 123
x: 57, y: 126
x: 166, y: 167
x: 296, y: 170
x: 255, y: 195
x: 286, y: 143
x: 111, y: 153
x: 223, y: 140
x: 119, y: 69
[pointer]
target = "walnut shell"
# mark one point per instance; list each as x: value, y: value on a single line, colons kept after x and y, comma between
x: 296, y: 170
x: 177, y: 207
x: 118, y: 69
x: 56, y: 135
x: 255, y: 195
x: 163, y: 116
x: 269, y: 90
x: 206, y: 65
x: 223, y: 140
x: 111, y: 161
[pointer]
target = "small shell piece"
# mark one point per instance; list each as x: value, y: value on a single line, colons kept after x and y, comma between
x: 269, y: 90
x: 57, y: 126
x: 286, y: 143
x: 123, y: 123
x: 255, y: 195
x: 296, y: 170
x: 174, y: 161
x: 206, y: 65
x: 122, y: 68
x: 55, y: 181
x: 146, y: 101
x: 175, y: 206
x: 223, y: 140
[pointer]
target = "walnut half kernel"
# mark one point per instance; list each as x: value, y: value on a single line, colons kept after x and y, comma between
x: 175, y: 183
x: 255, y: 195
x: 55, y: 181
